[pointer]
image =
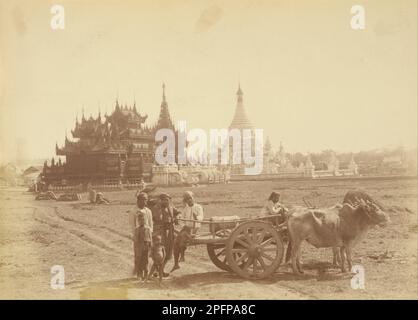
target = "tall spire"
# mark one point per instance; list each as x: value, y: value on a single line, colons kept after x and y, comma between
x: 239, y: 92
x: 99, y: 117
x: 164, y: 119
x: 134, y: 107
x: 267, y: 144
x: 240, y: 120
x: 164, y: 92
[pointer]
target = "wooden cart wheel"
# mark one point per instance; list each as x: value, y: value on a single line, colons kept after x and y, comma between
x: 217, y: 253
x: 254, y: 250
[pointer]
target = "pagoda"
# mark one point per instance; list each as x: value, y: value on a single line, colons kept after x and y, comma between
x: 116, y: 148
x: 240, y: 122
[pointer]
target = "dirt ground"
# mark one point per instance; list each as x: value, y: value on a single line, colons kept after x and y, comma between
x: 92, y: 243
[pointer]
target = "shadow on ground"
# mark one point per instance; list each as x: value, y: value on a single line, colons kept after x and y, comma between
x: 118, y: 288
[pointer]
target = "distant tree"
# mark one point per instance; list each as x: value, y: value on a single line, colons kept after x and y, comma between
x: 297, y: 158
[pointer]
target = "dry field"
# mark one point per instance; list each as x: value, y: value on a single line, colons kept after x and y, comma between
x: 92, y: 243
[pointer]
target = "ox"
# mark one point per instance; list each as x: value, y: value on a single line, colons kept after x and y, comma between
x: 353, y: 198
x: 339, y: 226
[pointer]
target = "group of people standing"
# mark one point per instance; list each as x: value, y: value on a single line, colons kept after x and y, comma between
x: 160, y: 221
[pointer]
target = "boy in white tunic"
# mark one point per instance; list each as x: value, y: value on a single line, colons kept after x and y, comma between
x: 192, y: 211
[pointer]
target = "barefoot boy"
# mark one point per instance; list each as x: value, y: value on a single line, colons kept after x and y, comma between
x: 142, y: 227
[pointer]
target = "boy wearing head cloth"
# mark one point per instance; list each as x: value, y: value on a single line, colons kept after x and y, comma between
x: 142, y: 228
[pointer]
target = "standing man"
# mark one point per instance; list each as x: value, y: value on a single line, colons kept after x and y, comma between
x: 142, y: 186
x: 142, y: 228
x: 192, y: 211
x: 164, y: 215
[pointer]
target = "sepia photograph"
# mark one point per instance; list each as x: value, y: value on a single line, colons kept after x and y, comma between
x: 208, y: 150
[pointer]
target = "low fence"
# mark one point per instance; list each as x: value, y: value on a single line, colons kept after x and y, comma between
x: 269, y: 176
x: 99, y: 187
x: 272, y: 177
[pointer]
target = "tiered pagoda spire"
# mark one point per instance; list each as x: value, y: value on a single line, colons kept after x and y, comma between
x: 164, y: 119
x: 240, y: 120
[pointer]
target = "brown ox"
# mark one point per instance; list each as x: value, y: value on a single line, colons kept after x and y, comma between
x: 340, y: 227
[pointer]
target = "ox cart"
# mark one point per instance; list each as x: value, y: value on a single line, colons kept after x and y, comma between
x: 251, y: 247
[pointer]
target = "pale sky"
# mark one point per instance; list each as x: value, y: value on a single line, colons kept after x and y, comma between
x: 309, y: 80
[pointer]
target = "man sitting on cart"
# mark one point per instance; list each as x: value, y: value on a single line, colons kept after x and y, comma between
x: 164, y: 215
x: 274, y: 207
x: 192, y: 211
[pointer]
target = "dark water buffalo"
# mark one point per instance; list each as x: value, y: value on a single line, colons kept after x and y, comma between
x: 353, y: 198
x: 337, y: 227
